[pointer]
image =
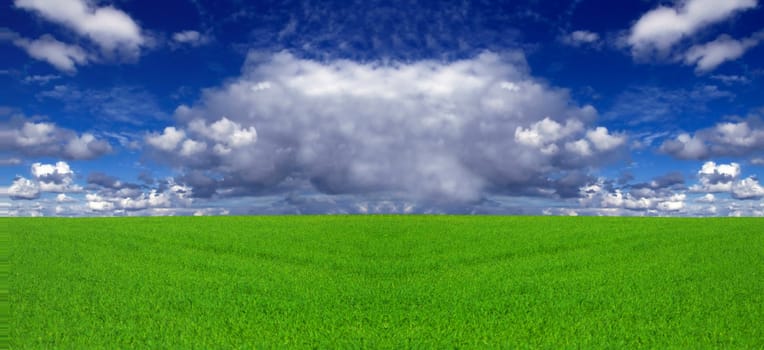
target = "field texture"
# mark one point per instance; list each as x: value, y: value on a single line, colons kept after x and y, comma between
x: 385, y: 282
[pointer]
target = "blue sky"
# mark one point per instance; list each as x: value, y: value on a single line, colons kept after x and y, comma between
x: 191, y: 107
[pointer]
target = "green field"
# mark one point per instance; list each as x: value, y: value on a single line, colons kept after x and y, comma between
x: 385, y: 282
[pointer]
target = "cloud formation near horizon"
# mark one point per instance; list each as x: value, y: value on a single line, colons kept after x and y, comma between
x: 431, y: 130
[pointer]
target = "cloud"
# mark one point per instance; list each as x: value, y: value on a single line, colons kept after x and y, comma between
x: 657, y: 197
x: 167, y: 140
x: 190, y: 38
x: 36, y: 139
x: 731, y: 79
x: 114, y: 196
x: 748, y: 188
x: 433, y: 130
x: 658, y: 30
x: 23, y: 188
x: 46, y: 178
x: 114, y: 31
x: 581, y: 38
x: 57, y: 177
x: 725, y: 178
x: 40, y: 79
x: 63, y: 56
x: 708, y: 56
x: 715, y: 178
x: 10, y: 161
x: 724, y: 139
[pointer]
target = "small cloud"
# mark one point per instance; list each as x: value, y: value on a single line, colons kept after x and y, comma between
x: 10, y: 161
x: 40, y: 79
x: 191, y: 38
x: 708, y: 56
x: 581, y: 38
x: 660, y: 29
x: 63, y: 56
x: 708, y: 198
x: 731, y: 79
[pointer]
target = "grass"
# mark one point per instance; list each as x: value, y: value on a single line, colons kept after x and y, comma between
x: 385, y: 282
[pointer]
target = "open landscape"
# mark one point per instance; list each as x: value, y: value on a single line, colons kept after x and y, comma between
x: 385, y: 282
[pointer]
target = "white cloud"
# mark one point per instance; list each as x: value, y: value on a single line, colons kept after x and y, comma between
x: 581, y: 37
x: 35, y: 133
x: 708, y: 198
x: 31, y: 138
x: 580, y: 147
x: 79, y: 147
x: 430, y: 129
x: 41, y: 79
x: 604, y: 141
x: 225, y: 132
x: 190, y: 37
x: 748, y: 188
x: 723, y: 139
x: 725, y: 178
x: 60, y: 55
x: 57, y: 177
x: 658, y: 30
x: 545, y: 133
x: 708, y: 56
x: 191, y: 147
x: 63, y: 198
x: 23, y: 188
x: 168, y: 140
x: 731, y: 79
x: 110, y: 28
x: 654, y: 201
x: 716, y: 178
x: 172, y: 196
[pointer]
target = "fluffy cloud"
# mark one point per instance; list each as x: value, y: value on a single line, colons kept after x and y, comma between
x: 658, y: 30
x: 433, y: 130
x: 57, y: 177
x: 724, y: 139
x: 60, y: 55
x: 30, y: 138
x: 748, y: 188
x: 662, y: 196
x: 23, y: 188
x: 111, y: 29
x: 167, y: 140
x: 715, y: 178
x: 708, y: 56
x: 115, y: 196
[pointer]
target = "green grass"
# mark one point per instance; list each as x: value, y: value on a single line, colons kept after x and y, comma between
x: 385, y: 282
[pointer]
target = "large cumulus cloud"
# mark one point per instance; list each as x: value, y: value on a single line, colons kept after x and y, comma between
x: 440, y: 131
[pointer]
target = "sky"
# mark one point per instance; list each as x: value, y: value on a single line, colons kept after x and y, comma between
x: 229, y: 107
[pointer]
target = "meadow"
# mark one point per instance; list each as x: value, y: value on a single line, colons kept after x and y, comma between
x: 385, y: 282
